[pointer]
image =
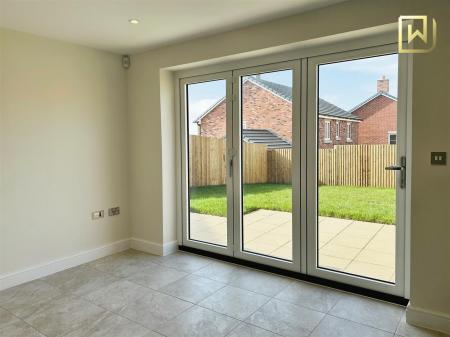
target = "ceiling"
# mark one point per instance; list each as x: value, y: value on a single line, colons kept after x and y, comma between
x: 103, y: 24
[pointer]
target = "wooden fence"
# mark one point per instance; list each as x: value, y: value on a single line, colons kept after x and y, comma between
x: 345, y: 165
x: 357, y: 165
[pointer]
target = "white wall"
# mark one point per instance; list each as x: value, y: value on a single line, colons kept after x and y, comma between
x: 151, y: 192
x: 63, y: 142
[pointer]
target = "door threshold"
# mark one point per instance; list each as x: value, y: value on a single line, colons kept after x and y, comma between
x: 303, y: 277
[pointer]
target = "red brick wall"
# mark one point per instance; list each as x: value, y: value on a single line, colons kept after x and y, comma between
x: 214, y: 123
x: 342, y: 133
x: 261, y: 110
x: 379, y: 117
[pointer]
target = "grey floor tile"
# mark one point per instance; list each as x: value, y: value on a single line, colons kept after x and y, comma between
x: 218, y: 271
x: 235, y: 302
x: 111, y: 326
x: 247, y: 330
x: 139, y: 304
x: 24, y: 299
x: 198, y: 322
x: 259, y: 282
x: 153, y: 334
x: 332, y: 326
x: 80, y: 280
x: 286, y: 319
x: 157, y: 276
x: 185, y: 262
x: 310, y: 296
x: 154, y: 308
x: 19, y: 329
x: 116, y: 296
x: 407, y: 330
x: 192, y: 288
x: 143, y: 305
x: 377, y: 314
x: 63, y: 315
x: 7, y: 318
x: 123, y: 264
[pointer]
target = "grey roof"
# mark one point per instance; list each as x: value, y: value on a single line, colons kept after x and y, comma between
x: 328, y: 109
x: 266, y: 137
x: 279, y: 89
x: 325, y: 108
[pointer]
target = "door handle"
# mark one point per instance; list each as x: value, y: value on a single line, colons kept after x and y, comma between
x: 394, y: 168
x: 230, y: 162
x: 401, y: 168
x: 230, y: 167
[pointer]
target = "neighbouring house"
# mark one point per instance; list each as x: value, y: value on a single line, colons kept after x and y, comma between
x: 267, y: 117
x: 379, y: 116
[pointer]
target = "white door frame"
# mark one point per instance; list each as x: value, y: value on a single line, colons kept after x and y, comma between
x: 293, y: 265
x: 312, y: 119
x: 186, y: 241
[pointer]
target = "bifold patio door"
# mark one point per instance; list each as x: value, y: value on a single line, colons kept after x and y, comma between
x: 300, y: 165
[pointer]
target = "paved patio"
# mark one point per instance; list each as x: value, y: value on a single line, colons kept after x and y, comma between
x: 357, y: 247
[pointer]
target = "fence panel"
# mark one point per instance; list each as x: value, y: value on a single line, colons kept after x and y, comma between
x: 346, y: 165
x: 357, y: 165
x: 254, y: 164
x: 279, y: 166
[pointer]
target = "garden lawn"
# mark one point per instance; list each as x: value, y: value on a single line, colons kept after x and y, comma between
x: 347, y: 202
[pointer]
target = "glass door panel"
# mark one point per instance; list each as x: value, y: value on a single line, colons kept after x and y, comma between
x: 357, y: 200
x: 357, y: 222
x: 265, y: 120
x: 208, y: 186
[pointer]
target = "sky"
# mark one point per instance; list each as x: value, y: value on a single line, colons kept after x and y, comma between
x: 345, y: 84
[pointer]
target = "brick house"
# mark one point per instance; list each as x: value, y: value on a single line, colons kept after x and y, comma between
x: 379, y: 116
x: 267, y: 117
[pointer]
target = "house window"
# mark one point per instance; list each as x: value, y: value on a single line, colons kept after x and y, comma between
x: 338, y: 131
x: 392, y: 138
x: 349, y: 132
x: 327, y: 132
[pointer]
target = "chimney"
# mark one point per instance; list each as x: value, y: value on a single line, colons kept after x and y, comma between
x: 383, y: 85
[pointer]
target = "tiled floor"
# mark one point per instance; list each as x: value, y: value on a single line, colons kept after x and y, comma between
x: 133, y: 294
x: 356, y: 247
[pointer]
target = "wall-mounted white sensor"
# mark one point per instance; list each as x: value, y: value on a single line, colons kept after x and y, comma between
x: 126, y: 61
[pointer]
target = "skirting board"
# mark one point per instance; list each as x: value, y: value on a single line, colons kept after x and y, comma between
x: 42, y: 270
x: 428, y: 319
x: 153, y: 247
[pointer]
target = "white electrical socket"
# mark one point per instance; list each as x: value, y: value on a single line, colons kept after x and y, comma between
x: 98, y: 214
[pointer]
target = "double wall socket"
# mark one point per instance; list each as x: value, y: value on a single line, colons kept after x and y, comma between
x: 101, y: 214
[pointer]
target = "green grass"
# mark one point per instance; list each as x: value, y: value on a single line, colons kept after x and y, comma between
x: 346, y: 202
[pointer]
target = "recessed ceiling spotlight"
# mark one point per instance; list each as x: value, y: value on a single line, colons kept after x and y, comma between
x: 133, y: 21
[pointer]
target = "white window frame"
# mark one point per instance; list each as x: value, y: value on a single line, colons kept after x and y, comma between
x: 392, y: 133
x: 338, y: 130
x: 327, y: 131
x: 349, y: 132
